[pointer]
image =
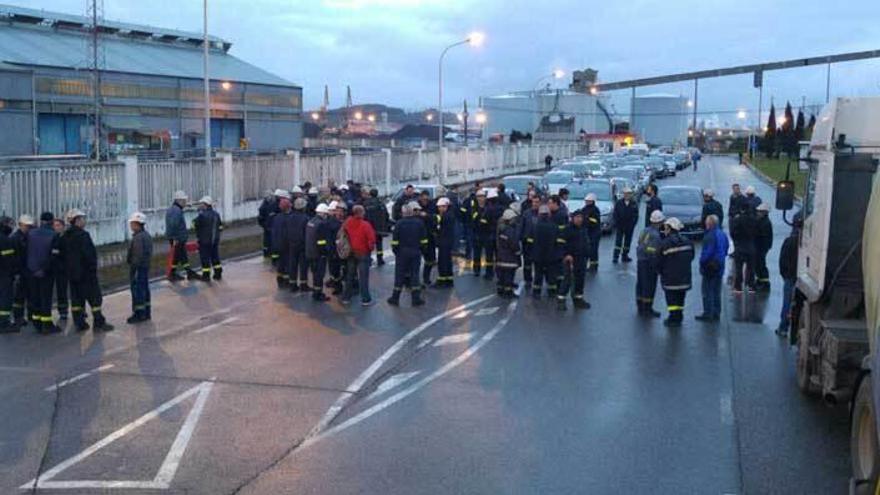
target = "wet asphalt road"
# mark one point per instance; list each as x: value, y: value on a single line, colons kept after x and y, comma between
x: 235, y: 388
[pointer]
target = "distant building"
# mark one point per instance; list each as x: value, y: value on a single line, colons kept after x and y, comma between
x: 152, y: 90
x: 661, y: 119
x: 546, y: 114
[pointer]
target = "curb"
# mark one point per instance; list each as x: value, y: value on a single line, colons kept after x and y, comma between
x: 769, y: 181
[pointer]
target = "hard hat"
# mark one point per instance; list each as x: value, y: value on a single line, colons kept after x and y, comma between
x: 750, y: 190
x: 627, y: 190
x: 493, y: 193
x: 763, y: 207
x: 443, y: 202
x: 180, y: 195
x: 516, y: 207
x: 322, y: 208
x: 657, y: 216
x: 508, y: 215
x: 543, y: 210
x: 299, y: 204
x: 206, y: 200
x: 296, y: 190
x: 26, y: 220
x: 481, y: 193
x: 674, y: 223
x: 313, y: 190
x: 282, y: 194
x: 590, y: 197
x: 709, y: 192
x: 415, y: 206
x: 343, y: 187
x: 74, y: 213
x: 138, y: 217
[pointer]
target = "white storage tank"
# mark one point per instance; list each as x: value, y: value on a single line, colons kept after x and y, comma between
x: 661, y: 119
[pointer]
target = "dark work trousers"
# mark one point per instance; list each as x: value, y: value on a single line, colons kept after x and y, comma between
x: 468, y: 234
x: 573, y: 278
x: 711, y: 291
x: 181, y: 257
x: 334, y: 266
x: 61, y: 294
x: 444, y: 263
x: 406, y: 272
x: 267, y: 242
x: 209, y: 255
x: 357, y: 277
x: 548, y: 272
x: 484, y: 245
x: 527, y: 267
x: 139, y: 279
x: 744, y: 266
x: 282, y: 267
x: 762, y: 276
x: 40, y: 299
x: 675, y: 304
x: 593, y: 259
x: 430, y: 256
x: 6, y: 296
x: 380, y: 246
x: 646, y: 283
x: 299, y: 269
x: 318, y: 266
x: 506, y: 276
x: 85, y: 291
x: 20, y: 289
x: 622, y: 240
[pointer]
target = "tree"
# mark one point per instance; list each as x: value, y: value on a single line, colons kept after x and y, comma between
x: 788, y: 141
x: 799, y: 127
x: 770, y: 133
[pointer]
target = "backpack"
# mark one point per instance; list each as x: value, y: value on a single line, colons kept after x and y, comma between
x: 343, y: 244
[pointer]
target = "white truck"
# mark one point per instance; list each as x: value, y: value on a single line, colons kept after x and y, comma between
x: 837, y: 297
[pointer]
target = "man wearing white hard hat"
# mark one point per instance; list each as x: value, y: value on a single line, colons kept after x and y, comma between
x: 81, y: 265
x: 318, y: 245
x: 445, y: 234
x: 408, y: 240
x: 140, y: 252
x: 593, y: 221
x: 676, y: 257
x: 485, y: 221
x: 763, y: 243
x: 648, y: 260
x: 208, y: 226
x: 177, y: 234
x: 626, y: 216
x: 20, y: 285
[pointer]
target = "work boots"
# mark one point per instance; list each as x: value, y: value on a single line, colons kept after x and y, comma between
x: 282, y: 283
x: 294, y: 286
x: 417, y: 298
x: 218, y: 274
x: 101, y: 324
x: 379, y: 260
x: 394, y: 300
x: 304, y: 287
x: 137, y: 317
x: 319, y: 296
x: 79, y: 322
x: 579, y: 303
x: 560, y: 304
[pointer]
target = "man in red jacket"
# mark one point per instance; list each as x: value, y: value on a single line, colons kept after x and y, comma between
x: 362, y: 239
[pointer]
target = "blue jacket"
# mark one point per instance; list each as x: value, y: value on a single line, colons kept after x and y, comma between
x: 715, y: 247
x: 175, y: 224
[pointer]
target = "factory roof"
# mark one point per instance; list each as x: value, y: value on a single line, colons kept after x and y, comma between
x: 35, y: 38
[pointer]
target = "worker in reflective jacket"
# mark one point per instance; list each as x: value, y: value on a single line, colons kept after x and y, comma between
x: 299, y: 268
x: 647, y: 254
x: 626, y: 216
x: 9, y: 266
x: 428, y: 215
x: 508, y: 253
x: 280, y: 237
x: 484, y: 218
x: 22, y: 279
x: 208, y: 226
x: 317, y: 245
x: 527, y: 232
x: 337, y: 210
x: 445, y: 222
x: 546, y: 253
x: 652, y: 204
x: 578, y: 247
x: 408, y: 240
x: 676, y: 255
x: 593, y: 221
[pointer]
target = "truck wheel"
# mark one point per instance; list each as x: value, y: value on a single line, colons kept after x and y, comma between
x: 864, y: 450
x: 804, y: 363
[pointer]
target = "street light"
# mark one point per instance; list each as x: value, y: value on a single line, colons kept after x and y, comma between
x: 371, y: 118
x: 358, y: 116
x: 226, y: 85
x: 556, y: 74
x: 480, y: 118
x: 690, y: 103
x: 429, y: 117
x: 474, y: 39
x: 316, y: 116
x: 594, y: 90
x: 741, y: 115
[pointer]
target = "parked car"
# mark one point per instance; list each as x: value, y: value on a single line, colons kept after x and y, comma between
x: 557, y: 179
x: 519, y: 184
x: 661, y: 167
x: 434, y: 190
x: 606, y: 195
x: 639, y: 177
x: 621, y: 183
x: 686, y: 204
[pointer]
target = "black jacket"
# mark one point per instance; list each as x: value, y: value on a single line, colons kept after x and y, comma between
x: 397, y: 209
x: 763, y: 234
x: 626, y: 216
x: 445, y: 228
x: 318, y: 239
x: 268, y: 209
x: 676, y: 255
x: 298, y: 221
x: 409, y: 237
x: 140, y: 250
x: 713, y: 207
x: 485, y: 220
x: 281, y: 233
x: 548, y: 245
x: 788, y: 257
x: 592, y: 219
x: 507, y: 246
x: 9, y: 256
x: 376, y: 214
x: 80, y: 255
x: 736, y: 205
x: 577, y: 241
x: 208, y: 226
x: 651, y: 205
x: 742, y: 232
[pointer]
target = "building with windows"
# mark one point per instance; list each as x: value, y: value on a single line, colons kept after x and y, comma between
x: 151, y: 90
x: 546, y: 114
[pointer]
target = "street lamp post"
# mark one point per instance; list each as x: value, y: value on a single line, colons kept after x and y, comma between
x: 207, y: 100
x: 556, y: 74
x: 475, y: 39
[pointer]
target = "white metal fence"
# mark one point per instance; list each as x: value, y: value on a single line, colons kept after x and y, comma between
x: 109, y: 191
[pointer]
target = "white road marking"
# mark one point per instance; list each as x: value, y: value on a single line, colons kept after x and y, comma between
x: 359, y: 382
x: 726, y: 410
x: 216, y: 325
x: 169, y: 466
x: 455, y: 338
x: 392, y: 382
x: 461, y: 315
x: 487, y: 311
x: 423, y: 343
x: 81, y: 376
x: 416, y: 386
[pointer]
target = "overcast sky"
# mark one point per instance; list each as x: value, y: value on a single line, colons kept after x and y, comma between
x: 387, y: 50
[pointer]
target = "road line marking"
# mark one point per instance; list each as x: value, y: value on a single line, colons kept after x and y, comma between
x: 487, y: 311
x: 392, y: 382
x: 455, y: 338
x: 423, y: 343
x: 364, y: 377
x: 216, y: 325
x: 461, y: 315
x: 169, y: 466
x: 81, y: 376
x: 726, y: 410
x: 416, y: 386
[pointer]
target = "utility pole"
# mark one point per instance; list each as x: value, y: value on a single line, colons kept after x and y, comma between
x: 696, y: 94
x: 96, y: 9
x: 464, y: 116
x: 206, y: 46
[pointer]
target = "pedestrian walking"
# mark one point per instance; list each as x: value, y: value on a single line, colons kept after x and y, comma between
x: 318, y: 242
x: 21, y: 285
x: 139, y: 257
x: 577, y: 250
x: 626, y: 216
x: 676, y: 255
x: 268, y: 209
x: 377, y: 215
x: 712, y: 207
x: 62, y: 286
x: 281, y: 240
x: 445, y: 221
x: 9, y: 268
x: 652, y: 203
x: 299, y: 267
x: 647, y: 266
x: 177, y: 234
x: 763, y: 243
x: 42, y: 252
x: 712, y: 259
x: 593, y: 221
x: 408, y: 239
x: 362, y: 239
x: 81, y: 264
x: 788, y: 260
x: 508, y: 254
x: 208, y: 226
x: 546, y: 254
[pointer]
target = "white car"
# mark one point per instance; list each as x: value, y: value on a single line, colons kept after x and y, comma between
x: 557, y: 179
x: 605, y: 197
x: 434, y: 190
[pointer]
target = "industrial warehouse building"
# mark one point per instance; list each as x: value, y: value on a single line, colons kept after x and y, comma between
x: 661, y: 119
x: 547, y: 114
x: 151, y: 92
